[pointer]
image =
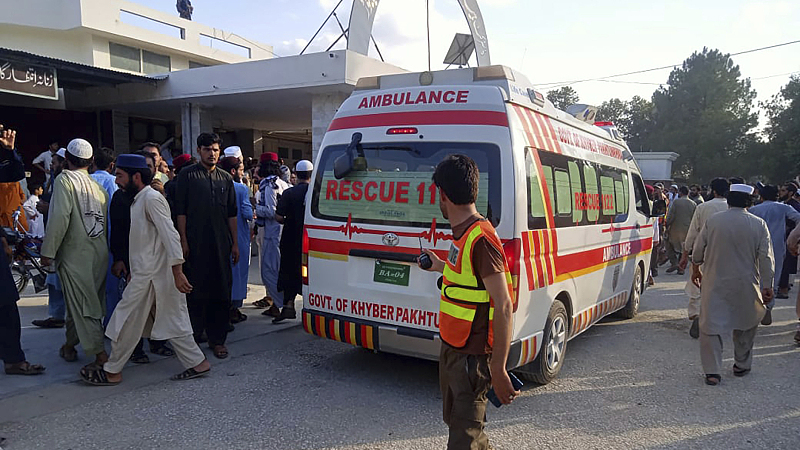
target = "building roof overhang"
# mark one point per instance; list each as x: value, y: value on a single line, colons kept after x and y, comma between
x: 78, y: 76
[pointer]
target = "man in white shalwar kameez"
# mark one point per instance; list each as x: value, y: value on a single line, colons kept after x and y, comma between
x: 719, y: 189
x: 153, y: 304
x: 737, y: 275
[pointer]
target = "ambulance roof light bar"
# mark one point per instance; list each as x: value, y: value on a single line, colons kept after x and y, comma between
x: 484, y: 73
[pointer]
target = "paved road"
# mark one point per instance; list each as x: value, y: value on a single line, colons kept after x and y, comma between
x: 625, y: 384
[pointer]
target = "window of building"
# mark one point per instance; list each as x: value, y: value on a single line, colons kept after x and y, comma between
x: 153, y: 63
x: 124, y: 57
x: 283, y: 152
x: 137, y: 60
x: 196, y: 65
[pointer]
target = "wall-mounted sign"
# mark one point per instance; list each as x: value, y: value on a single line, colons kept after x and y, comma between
x: 33, y: 81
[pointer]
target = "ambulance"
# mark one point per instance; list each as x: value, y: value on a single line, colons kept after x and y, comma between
x: 564, y: 194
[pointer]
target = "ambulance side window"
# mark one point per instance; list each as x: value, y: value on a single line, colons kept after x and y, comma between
x: 536, y: 209
x: 577, y: 190
x: 625, y: 193
x: 548, y: 180
x: 563, y: 193
x: 592, y: 193
x: 642, y: 202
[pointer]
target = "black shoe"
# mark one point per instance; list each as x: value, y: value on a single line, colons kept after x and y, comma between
x: 694, y: 331
x: 272, y: 311
x: 286, y: 313
x: 49, y: 323
x: 654, y: 273
x: 767, y: 320
x: 782, y: 296
x: 139, y: 358
x: 202, y: 337
x: 237, y: 316
x: 231, y: 327
x: 672, y: 269
x: 797, y: 337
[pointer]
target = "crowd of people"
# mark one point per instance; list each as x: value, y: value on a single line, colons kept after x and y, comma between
x: 139, y: 247
x: 742, y: 241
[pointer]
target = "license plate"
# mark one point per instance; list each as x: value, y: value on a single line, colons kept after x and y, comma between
x: 391, y: 273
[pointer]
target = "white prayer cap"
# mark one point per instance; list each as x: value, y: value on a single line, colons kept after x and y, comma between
x: 62, y: 152
x: 80, y: 148
x: 234, y: 151
x: 304, y: 166
x: 747, y: 189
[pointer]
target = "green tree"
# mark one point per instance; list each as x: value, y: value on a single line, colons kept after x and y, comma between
x: 705, y: 115
x: 781, y: 157
x: 563, y: 97
x: 633, y: 119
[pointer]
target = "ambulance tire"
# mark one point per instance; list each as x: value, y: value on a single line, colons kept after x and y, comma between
x: 548, y: 362
x: 635, y: 298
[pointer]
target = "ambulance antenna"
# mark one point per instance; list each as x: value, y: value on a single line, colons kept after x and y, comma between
x: 428, y: 26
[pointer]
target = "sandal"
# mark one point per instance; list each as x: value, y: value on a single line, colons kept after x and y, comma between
x: 162, y: 350
x: 220, y: 351
x: 140, y: 358
x: 713, y: 379
x: 24, y: 368
x: 265, y: 302
x: 188, y: 374
x: 69, y: 356
x: 738, y: 372
x: 96, y: 377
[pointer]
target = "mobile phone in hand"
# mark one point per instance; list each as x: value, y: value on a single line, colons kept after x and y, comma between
x: 493, y: 397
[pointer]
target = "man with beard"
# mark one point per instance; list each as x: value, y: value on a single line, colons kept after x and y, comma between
x: 56, y: 308
x: 290, y: 212
x: 76, y: 239
x: 240, y: 270
x: 695, y: 195
x: 153, y: 302
x: 206, y: 209
x: 775, y: 215
x: 787, y: 195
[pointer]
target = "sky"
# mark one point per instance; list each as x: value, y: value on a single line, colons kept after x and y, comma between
x: 550, y: 42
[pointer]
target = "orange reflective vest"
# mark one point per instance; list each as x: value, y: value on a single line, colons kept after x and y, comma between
x: 461, y: 293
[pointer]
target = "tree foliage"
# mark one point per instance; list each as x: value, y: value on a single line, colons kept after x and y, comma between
x: 563, y: 97
x: 781, y: 155
x: 633, y: 119
x: 705, y: 115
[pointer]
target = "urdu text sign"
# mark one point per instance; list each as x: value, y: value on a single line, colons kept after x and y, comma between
x: 33, y: 81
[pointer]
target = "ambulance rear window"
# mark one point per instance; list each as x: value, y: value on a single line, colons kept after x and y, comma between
x: 397, y: 189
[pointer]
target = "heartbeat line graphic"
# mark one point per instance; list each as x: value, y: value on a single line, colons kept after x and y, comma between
x: 349, y: 229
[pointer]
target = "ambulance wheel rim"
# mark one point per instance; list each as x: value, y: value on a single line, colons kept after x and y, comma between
x: 555, y: 345
x: 637, y: 288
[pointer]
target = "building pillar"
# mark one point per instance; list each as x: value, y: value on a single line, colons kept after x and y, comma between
x: 193, y: 122
x: 120, y: 132
x: 323, y: 108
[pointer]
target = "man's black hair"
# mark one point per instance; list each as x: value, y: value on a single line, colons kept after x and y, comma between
x: 683, y: 190
x: 80, y: 163
x: 230, y: 163
x: 736, y: 180
x: 208, y: 139
x: 150, y: 144
x: 769, y: 192
x: 720, y: 186
x: 457, y: 175
x: 269, y: 168
x: 303, y: 175
x: 790, y: 186
x: 695, y: 186
x: 147, y: 176
x: 103, y: 157
x: 739, y: 199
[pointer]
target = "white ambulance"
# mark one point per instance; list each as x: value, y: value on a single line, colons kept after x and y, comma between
x: 565, y: 196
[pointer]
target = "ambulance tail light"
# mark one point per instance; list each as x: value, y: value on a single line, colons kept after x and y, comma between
x: 511, y: 249
x: 604, y: 124
x: 484, y: 73
x: 404, y: 130
x: 304, y: 266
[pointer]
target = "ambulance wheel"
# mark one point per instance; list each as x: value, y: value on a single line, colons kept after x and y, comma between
x: 632, y: 307
x: 548, y: 362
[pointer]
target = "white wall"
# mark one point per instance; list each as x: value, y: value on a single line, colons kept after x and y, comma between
x: 72, y: 45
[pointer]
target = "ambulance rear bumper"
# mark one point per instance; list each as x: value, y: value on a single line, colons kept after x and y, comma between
x: 373, y: 335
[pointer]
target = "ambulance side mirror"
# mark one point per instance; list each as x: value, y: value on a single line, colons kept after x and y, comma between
x: 659, y: 208
x: 345, y: 163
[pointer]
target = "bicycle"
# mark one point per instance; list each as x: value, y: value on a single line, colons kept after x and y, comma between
x: 26, y: 257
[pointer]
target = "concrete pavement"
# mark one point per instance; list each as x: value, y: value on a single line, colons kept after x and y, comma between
x: 625, y: 384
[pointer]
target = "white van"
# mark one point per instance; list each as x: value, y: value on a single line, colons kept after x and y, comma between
x: 565, y: 196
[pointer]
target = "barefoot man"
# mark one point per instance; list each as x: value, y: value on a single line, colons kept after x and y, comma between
x: 154, y: 302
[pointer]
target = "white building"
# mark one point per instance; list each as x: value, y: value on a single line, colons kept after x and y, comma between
x: 119, y: 74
